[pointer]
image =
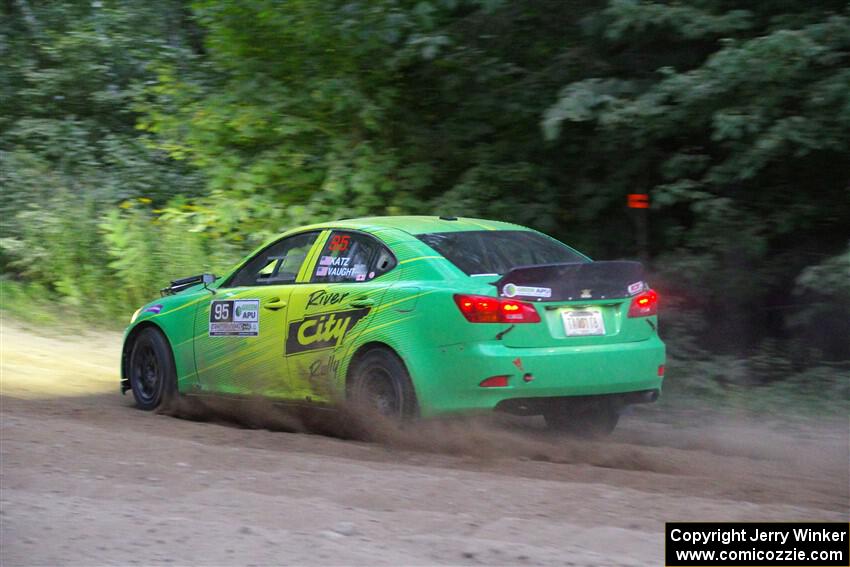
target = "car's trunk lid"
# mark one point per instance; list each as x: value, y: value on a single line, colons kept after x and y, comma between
x: 579, y: 303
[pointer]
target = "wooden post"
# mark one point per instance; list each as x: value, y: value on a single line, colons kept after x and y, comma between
x: 639, y: 203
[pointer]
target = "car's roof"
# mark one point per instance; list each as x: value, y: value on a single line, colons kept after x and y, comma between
x: 420, y: 224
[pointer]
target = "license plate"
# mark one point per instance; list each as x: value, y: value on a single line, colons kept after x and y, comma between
x: 583, y: 323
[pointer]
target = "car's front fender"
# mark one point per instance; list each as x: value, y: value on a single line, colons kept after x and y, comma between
x: 174, y: 316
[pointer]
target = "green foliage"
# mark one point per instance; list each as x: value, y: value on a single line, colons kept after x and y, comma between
x: 629, y: 18
x: 31, y: 304
x: 143, y: 259
x: 736, y: 385
x: 67, y: 124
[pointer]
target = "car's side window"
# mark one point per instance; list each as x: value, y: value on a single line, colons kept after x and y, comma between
x: 384, y: 261
x: 352, y: 257
x: 276, y: 265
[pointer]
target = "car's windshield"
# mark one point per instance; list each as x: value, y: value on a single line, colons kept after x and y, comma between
x: 495, y: 252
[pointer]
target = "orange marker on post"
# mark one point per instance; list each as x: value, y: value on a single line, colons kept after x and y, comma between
x: 638, y: 201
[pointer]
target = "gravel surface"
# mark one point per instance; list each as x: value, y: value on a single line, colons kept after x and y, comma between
x: 86, y: 479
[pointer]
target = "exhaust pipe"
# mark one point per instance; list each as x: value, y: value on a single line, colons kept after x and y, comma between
x: 644, y: 397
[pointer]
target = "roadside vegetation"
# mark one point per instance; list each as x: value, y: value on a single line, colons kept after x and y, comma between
x: 141, y: 142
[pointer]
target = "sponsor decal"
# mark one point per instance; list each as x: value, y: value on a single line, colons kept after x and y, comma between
x: 339, y: 267
x: 371, y: 275
x: 153, y: 308
x: 322, y: 368
x: 512, y: 290
x: 321, y: 298
x: 235, y: 318
x: 342, y: 261
x: 360, y: 277
x: 586, y: 293
x: 635, y: 288
x: 321, y: 331
x: 518, y: 363
x: 340, y: 272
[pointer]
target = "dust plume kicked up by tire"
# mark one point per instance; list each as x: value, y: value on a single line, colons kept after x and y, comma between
x: 733, y: 455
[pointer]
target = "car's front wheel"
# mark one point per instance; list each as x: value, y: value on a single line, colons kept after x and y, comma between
x: 153, y: 377
x: 587, y: 420
x: 380, y: 381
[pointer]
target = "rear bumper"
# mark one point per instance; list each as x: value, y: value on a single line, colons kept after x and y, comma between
x: 447, y: 380
x: 537, y: 406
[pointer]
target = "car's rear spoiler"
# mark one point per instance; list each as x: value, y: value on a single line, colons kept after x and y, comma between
x: 568, y: 282
x: 184, y: 283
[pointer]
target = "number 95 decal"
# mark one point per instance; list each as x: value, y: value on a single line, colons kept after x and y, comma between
x: 339, y: 243
x: 235, y: 318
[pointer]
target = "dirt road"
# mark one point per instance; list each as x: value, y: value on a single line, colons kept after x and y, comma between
x: 88, y: 480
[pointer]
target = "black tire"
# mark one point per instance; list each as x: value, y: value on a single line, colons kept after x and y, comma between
x: 153, y: 377
x: 587, y: 421
x: 379, y: 380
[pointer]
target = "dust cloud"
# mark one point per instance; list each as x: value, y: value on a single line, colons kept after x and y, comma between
x: 495, y: 437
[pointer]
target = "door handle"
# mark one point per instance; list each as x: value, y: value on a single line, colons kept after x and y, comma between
x: 274, y: 304
x: 362, y: 302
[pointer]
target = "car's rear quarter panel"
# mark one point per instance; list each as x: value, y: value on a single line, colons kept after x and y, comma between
x: 398, y: 321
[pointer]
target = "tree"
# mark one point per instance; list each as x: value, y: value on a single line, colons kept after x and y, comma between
x: 737, y: 122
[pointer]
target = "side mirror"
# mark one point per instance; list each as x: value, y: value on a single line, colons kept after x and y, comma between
x: 207, y: 279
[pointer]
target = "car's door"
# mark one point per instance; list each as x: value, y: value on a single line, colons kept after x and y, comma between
x: 240, y: 331
x: 348, y: 278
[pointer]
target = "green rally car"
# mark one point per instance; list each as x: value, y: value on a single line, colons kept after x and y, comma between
x: 419, y: 316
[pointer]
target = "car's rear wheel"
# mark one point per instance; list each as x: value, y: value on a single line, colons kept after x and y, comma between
x: 591, y: 420
x: 153, y: 377
x: 380, y: 381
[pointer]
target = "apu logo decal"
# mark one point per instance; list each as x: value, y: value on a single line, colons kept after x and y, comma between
x: 326, y: 330
x: 235, y: 318
x: 512, y: 290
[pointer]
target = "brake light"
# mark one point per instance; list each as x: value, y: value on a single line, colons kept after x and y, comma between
x: 644, y: 305
x: 484, y: 309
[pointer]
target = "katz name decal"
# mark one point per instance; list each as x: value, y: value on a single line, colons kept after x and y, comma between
x: 325, y: 330
x: 235, y: 318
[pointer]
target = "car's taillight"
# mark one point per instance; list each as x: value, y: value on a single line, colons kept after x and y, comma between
x: 644, y: 305
x: 484, y: 309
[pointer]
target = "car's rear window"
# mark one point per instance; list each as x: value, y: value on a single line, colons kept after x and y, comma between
x: 485, y: 252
